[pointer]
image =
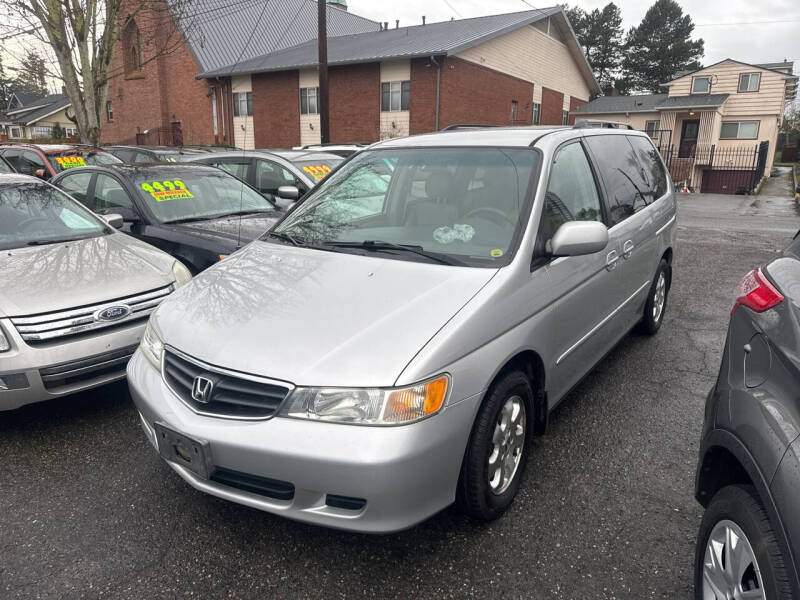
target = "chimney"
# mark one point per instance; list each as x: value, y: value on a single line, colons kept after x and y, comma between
x: 386, y: 25
x: 63, y: 90
x: 397, y: 24
x: 423, y: 19
x: 610, y: 90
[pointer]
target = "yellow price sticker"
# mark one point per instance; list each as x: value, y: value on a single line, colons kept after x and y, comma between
x: 318, y: 172
x: 496, y: 253
x: 167, y: 190
x: 68, y: 162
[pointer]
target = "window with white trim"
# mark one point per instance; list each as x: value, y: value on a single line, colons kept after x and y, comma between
x: 651, y: 128
x: 565, y: 117
x: 701, y: 85
x: 309, y: 101
x: 42, y: 132
x: 537, y: 113
x: 739, y: 130
x: 749, y: 82
x: 243, y: 104
x: 109, y: 111
x: 16, y: 132
x: 395, y: 95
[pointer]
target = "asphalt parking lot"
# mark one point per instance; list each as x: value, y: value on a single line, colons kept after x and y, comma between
x: 606, y: 509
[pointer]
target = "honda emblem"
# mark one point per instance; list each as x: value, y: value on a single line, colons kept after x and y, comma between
x: 202, y: 388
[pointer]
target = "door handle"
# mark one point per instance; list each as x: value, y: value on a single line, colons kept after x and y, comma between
x: 611, y: 260
x: 627, y: 249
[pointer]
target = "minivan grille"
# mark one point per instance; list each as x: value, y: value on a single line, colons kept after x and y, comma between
x: 61, y: 324
x: 229, y: 394
x: 77, y: 371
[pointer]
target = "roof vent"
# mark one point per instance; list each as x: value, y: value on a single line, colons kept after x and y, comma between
x: 423, y: 19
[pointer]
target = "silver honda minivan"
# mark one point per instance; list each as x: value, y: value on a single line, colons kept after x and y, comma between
x: 396, y: 341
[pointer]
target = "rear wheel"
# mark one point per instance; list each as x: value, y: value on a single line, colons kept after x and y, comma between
x: 737, y: 555
x: 498, y: 448
x: 656, y: 303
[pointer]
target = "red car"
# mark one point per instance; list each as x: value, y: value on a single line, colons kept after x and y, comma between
x: 47, y: 160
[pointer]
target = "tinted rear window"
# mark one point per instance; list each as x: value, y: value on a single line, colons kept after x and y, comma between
x: 650, y: 161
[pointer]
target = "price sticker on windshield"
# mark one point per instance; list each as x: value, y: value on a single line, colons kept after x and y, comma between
x: 69, y: 162
x: 167, y: 190
x: 318, y: 172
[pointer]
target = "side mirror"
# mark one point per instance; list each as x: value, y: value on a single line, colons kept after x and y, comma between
x: 289, y: 192
x: 576, y: 238
x: 39, y: 173
x: 114, y: 220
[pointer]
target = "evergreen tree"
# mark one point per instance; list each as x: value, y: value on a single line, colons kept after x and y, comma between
x: 32, y: 75
x: 660, y: 47
x: 600, y: 36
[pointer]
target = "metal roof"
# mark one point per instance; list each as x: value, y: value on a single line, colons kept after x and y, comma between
x: 218, y: 32
x: 621, y: 104
x: 443, y: 38
x: 693, y: 101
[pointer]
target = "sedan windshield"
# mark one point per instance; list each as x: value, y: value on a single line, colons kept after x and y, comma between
x: 80, y: 157
x: 33, y: 213
x: 467, y: 204
x: 183, y: 194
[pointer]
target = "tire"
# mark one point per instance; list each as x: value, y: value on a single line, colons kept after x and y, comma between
x: 739, y: 505
x: 483, y: 493
x: 659, y: 290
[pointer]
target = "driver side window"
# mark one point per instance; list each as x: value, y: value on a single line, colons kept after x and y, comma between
x: 571, y: 192
x: 111, y: 197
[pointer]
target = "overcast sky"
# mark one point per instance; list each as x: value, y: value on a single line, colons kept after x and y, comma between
x: 765, y: 42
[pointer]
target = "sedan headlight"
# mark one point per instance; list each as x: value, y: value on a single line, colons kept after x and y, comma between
x: 181, y: 273
x: 152, y: 346
x: 369, y: 406
x: 5, y: 345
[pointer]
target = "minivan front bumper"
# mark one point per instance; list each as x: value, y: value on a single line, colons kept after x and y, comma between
x: 405, y: 474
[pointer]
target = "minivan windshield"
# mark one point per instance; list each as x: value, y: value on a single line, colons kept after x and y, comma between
x: 177, y: 194
x: 464, y: 203
x: 34, y: 213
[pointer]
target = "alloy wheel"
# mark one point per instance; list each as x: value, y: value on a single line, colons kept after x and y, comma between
x: 730, y: 569
x: 508, y: 443
x: 660, y: 297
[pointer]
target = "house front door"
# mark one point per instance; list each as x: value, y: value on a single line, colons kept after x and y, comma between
x: 689, y: 131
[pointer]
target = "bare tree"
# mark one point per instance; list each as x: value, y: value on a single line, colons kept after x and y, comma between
x: 83, y: 34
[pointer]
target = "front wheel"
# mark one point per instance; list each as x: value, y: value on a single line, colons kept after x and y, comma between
x: 498, y: 448
x: 737, y: 555
x: 656, y: 303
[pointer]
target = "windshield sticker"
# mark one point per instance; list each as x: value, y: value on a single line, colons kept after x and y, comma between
x: 318, y: 172
x: 167, y: 190
x: 496, y: 253
x: 68, y: 162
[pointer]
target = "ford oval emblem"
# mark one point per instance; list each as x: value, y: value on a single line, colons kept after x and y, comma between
x: 112, y: 313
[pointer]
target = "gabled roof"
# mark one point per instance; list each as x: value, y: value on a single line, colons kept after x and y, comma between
x: 693, y: 101
x: 621, y: 104
x: 445, y: 38
x: 39, y: 109
x: 218, y: 31
x: 766, y: 66
x: 25, y: 98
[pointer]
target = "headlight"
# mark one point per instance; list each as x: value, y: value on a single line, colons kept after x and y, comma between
x: 182, y: 274
x: 369, y: 406
x: 5, y: 345
x: 152, y: 346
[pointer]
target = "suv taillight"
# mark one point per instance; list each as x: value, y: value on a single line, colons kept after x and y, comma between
x: 756, y: 293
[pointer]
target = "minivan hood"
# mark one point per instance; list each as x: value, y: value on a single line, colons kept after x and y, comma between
x: 39, y: 279
x: 313, y: 317
x: 239, y: 228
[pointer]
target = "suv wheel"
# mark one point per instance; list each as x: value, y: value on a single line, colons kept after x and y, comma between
x: 656, y: 303
x: 737, y: 555
x: 498, y: 448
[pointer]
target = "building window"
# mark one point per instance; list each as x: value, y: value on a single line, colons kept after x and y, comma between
x: 739, y: 130
x: 243, y: 104
x: 749, y: 82
x: 537, y: 113
x: 565, y: 117
x: 701, y: 85
x: 651, y: 128
x: 309, y: 101
x: 42, y: 132
x: 15, y: 132
x: 395, y: 95
x: 131, y: 48
x: 514, y: 109
x: 109, y: 111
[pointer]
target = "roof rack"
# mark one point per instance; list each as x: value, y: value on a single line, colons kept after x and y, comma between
x: 466, y: 126
x: 601, y: 124
x: 307, y: 146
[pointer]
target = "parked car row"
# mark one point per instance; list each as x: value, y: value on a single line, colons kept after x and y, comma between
x: 418, y: 315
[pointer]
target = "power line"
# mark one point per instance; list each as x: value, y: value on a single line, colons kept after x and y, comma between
x: 742, y: 22
x: 458, y: 14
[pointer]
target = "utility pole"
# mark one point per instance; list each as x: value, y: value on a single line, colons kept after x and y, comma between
x: 322, y: 35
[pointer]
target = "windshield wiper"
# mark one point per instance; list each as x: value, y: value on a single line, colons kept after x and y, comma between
x: 54, y: 241
x: 284, y: 236
x: 381, y: 246
x: 255, y: 211
x: 192, y: 219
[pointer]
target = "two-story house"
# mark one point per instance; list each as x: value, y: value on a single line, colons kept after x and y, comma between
x: 716, y: 127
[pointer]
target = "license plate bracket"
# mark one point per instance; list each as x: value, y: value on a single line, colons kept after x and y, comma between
x: 191, y: 454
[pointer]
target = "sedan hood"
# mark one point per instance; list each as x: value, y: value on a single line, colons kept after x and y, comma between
x: 242, y: 228
x: 41, y: 279
x: 313, y: 317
